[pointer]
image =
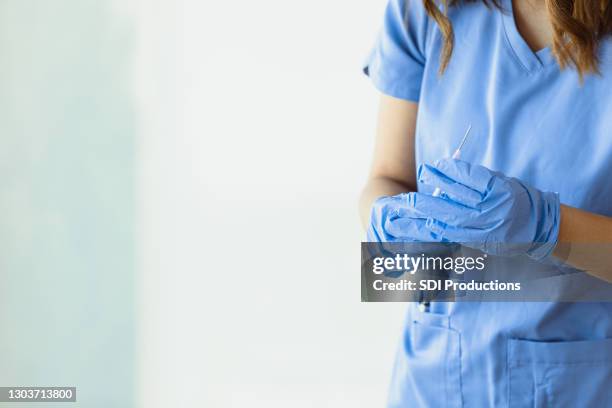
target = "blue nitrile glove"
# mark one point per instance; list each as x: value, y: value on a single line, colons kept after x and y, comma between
x: 485, y: 209
x: 394, y: 219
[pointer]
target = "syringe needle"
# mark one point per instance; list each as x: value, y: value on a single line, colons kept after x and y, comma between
x: 458, y: 151
x: 456, y: 155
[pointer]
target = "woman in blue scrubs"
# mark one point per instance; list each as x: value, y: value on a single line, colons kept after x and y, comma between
x: 534, y: 78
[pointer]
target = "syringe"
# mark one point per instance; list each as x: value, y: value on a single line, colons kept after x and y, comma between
x: 424, y: 304
x: 455, y: 155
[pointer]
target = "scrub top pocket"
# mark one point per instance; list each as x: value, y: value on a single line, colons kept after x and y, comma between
x: 428, y: 365
x: 560, y: 374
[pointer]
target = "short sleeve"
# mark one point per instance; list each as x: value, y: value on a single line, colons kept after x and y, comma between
x: 395, y: 64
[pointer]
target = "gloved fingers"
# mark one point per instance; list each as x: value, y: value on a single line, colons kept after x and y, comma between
x: 476, y: 177
x: 410, y: 229
x: 443, y: 210
x: 456, y: 234
x: 381, y: 209
x: 373, y: 236
x: 382, y: 236
x: 384, y: 207
x: 410, y: 226
x: 455, y: 191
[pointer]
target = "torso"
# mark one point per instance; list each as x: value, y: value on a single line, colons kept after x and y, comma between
x: 535, y: 122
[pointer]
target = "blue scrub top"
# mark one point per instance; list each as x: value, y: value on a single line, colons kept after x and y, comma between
x: 533, y: 121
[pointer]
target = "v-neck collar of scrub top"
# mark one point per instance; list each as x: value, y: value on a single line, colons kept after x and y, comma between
x: 530, y: 60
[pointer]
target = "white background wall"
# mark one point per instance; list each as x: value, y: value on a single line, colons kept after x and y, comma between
x: 67, y: 200
x: 217, y: 178
x: 250, y: 238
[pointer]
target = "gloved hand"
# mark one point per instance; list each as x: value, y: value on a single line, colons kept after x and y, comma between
x: 485, y: 209
x: 394, y: 219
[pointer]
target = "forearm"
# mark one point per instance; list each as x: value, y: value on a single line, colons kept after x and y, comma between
x: 585, y: 241
x: 376, y: 188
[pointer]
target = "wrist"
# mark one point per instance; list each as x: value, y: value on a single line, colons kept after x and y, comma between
x: 547, y: 237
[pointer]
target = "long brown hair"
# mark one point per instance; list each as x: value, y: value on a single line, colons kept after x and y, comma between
x: 578, y: 28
